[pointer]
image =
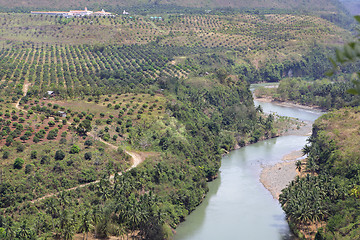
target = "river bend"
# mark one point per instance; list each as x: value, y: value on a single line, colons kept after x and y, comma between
x: 238, y: 206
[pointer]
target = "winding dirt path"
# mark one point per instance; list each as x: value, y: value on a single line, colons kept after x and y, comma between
x: 137, y: 159
x: 25, y: 90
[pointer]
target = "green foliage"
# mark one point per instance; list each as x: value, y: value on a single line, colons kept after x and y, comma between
x: 46, y: 159
x: 29, y: 168
x: 331, y: 194
x: 18, y: 163
x: 348, y: 54
x: 33, y: 154
x: 5, y: 155
x: 52, y: 134
x: 84, y: 127
x: 74, y: 149
x: 88, y: 156
x: 88, y: 143
x: 190, y: 125
x: 322, y: 93
x: 59, y: 155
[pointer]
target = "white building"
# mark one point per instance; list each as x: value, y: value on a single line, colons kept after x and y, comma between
x: 74, y: 13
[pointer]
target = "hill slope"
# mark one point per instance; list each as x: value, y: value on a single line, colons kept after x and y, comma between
x: 312, y: 5
x: 325, y: 203
x: 353, y: 6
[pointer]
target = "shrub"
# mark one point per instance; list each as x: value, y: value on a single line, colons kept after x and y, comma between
x: 89, y: 117
x: 59, y: 155
x: 29, y: 168
x: 6, y: 155
x: 62, y: 140
x: 33, y: 154
x: 52, y: 134
x: 45, y: 160
x: 20, y: 147
x: 88, y: 143
x: 74, y: 149
x: 88, y: 156
x: 18, y: 164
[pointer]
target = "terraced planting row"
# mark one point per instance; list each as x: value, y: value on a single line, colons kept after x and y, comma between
x: 47, y: 136
x: 211, y: 31
x: 249, y: 30
x: 80, y: 69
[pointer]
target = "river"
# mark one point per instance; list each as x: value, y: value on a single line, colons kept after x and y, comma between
x: 238, y: 206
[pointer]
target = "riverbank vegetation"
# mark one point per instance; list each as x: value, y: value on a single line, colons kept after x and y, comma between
x: 325, y: 203
x: 323, y: 93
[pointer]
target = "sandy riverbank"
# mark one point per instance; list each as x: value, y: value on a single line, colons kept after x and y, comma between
x: 277, y: 177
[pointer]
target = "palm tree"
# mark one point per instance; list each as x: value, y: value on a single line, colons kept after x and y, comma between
x: 52, y: 209
x: 298, y: 165
x: 9, y: 232
x: 86, y: 225
x: 306, y: 150
x: 63, y: 200
x: 66, y: 225
x: 24, y: 231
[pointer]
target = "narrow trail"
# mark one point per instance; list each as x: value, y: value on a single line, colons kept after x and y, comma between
x: 137, y: 159
x: 25, y: 90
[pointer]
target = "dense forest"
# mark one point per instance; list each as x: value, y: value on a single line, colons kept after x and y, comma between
x: 322, y: 93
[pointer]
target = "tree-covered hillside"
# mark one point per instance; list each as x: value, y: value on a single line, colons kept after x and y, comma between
x: 325, y: 203
x: 86, y: 56
x: 330, y: 6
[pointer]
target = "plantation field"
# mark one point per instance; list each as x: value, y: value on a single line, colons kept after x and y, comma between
x: 69, y: 70
x: 40, y: 129
x: 229, y: 31
x: 321, y: 5
x: 87, y: 56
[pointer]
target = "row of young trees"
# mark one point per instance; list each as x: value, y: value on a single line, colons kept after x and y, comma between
x: 68, y: 69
